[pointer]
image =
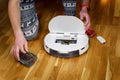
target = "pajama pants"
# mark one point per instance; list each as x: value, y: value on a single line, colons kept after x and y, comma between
x: 69, y: 7
x: 29, y: 19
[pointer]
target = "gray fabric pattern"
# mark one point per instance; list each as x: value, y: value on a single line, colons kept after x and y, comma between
x: 69, y: 7
x: 29, y: 19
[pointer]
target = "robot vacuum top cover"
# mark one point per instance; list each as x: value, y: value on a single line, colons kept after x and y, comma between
x: 66, y: 24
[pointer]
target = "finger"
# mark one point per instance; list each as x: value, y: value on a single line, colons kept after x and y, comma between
x: 26, y: 47
x: 87, y: 20
x: 87, y: 23
x: 22, y: 49
x: 17, y: 53
x: 86, y: 28
x: 14, y: 53
x: 81, y: 16
x: 11, y: 51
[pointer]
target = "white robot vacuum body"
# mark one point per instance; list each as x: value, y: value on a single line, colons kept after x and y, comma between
x: 66, y: 38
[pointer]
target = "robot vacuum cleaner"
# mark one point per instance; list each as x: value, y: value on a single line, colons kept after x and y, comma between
x: 66, y: 37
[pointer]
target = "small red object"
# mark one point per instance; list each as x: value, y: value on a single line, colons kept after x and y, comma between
x: 90, y: 32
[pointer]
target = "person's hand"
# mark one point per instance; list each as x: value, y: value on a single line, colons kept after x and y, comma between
x: 84, y: 15
x: 19, y: 45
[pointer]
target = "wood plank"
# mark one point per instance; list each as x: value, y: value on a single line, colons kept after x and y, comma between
x: 117, y: 8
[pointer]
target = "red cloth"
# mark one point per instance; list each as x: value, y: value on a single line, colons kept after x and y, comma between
x: 90, y: 32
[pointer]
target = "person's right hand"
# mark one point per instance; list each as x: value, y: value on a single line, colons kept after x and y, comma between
x: 84, y: 15
x: 19, y: 45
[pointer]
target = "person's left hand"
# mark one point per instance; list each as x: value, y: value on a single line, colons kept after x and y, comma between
x: 84, y: 15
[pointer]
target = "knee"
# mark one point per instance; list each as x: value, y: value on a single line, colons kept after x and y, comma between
x: 31, y: 33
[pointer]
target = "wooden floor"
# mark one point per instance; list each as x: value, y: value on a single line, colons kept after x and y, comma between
x: 100, y: 62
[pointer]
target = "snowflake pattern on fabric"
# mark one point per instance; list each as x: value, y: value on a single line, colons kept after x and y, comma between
x: 29, y: 19
x: 69, y: 7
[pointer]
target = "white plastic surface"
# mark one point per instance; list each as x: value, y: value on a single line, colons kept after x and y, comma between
x: 82, y: 41
x: 66, y: 24
x: 101, y: 39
